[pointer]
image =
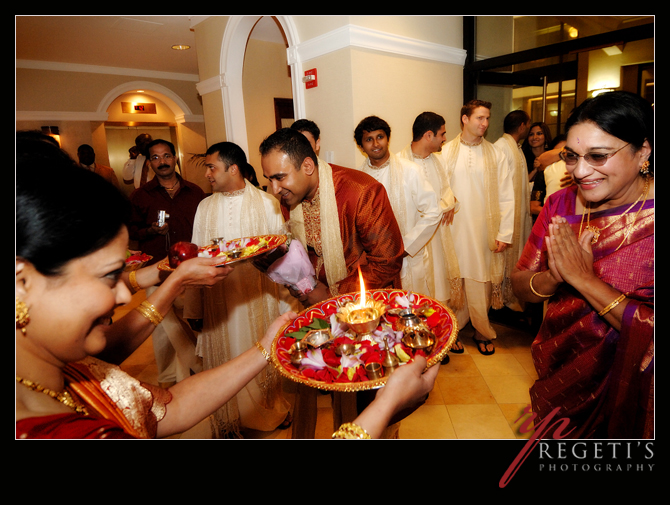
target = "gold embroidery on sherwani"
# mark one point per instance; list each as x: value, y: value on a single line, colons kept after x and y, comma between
x: 329, y: 228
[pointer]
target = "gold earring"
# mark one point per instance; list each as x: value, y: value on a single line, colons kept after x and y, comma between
x: 645, y: 168
x: 22, y: 316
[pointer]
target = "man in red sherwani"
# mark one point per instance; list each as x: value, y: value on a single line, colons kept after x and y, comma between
x: 369, y: 233
x: 344, y: 219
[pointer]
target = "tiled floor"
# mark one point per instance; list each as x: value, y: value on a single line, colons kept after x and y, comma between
x: 475, y: 396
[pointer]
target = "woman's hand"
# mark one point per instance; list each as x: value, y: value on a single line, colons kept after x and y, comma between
x: 570, y: 258
x: 201, y: 272
x: 274, y: 328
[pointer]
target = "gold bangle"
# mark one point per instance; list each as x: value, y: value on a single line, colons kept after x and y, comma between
x: 351, y: 431
x: 533, y: 289
x: 150, y: 312
x: 263, y: 351
x: 612, y: 305
x: 133, y: 282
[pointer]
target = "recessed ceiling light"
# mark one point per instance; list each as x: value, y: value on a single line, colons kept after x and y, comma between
x: 181, y: 47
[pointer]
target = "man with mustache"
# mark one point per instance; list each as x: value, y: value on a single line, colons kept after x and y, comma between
x: 174, y: 346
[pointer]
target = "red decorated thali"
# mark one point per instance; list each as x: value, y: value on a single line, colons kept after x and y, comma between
x: 232, y: 251
x: 323, y: 367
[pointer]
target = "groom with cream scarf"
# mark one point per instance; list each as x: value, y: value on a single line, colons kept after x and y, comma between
x: 342, y: 216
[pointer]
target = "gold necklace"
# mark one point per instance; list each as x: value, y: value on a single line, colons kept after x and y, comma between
x: 62, y: 396
x: 597, y: 231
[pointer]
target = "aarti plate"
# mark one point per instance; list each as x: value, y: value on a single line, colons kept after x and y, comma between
x: 235, y: 250
x: 443, y: 325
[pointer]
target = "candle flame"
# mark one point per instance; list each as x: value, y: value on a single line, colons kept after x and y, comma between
x: 360, y: 278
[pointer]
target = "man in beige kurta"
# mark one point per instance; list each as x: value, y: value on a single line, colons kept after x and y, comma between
x: 480, y: 178
x: 429, y: 135
x: 236, y: 312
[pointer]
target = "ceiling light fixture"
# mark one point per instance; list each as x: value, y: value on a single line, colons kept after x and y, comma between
x: 181, y: 47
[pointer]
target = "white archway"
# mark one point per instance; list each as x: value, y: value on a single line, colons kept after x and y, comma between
x: 233, y: 50
x: 169, y: 97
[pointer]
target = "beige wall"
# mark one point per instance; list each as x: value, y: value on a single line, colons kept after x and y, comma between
x: 265, y: 78
x: 352, y: 82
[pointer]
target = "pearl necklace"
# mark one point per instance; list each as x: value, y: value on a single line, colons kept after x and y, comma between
x: 64, y: 397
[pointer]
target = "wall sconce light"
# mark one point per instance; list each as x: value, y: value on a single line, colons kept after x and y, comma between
x: 52, y: 131
x: 600, y: 91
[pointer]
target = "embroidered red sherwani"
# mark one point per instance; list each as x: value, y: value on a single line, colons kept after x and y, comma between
x: 370, y: 234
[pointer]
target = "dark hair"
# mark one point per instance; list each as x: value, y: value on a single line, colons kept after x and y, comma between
x: 514, y: 120
x: 622, y: 114
x: 229, y: 153
x: 160, y: 141
x: 371, y: 124
x: 291, y: 142
x: 63, y: 212
x: 424, y: 122
x: 232, y: 154
x: 305, y: 125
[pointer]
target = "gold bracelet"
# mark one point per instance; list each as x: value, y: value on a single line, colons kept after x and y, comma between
x: 612, y: 305
x: 133, y: 282
x: 351, y: 431
x: 533, y: 289
x: 150, y: 312
x: 263, y: 352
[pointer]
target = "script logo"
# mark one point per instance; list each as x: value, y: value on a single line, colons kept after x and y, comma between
x: 540, y: 430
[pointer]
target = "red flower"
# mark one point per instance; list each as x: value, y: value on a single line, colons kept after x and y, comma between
x: 330, y: 358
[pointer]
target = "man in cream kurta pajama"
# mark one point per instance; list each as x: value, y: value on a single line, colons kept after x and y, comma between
x: 437, y: 250
x: 477, y: 262
x: 237, y: 311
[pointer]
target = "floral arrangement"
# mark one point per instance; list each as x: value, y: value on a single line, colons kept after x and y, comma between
x: 249, y: 246
x: 135, y: 260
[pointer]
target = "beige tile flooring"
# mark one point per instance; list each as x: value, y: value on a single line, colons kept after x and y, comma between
x: 475, y: 396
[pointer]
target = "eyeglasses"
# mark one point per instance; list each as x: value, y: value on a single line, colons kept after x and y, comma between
x: 166, y: 157
x: 593, y: 159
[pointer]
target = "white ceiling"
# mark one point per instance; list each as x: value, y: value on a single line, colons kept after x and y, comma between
x: 137, y: 42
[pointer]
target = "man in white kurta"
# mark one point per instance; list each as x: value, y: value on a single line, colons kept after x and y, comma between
x: 516, y: 127
x: 428, y: 136
x: 413, y: 199
x: 480, y: 178
x: 236, y: 312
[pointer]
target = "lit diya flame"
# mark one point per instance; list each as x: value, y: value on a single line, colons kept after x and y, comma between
x: 362, y: 284
x: 363, y: 317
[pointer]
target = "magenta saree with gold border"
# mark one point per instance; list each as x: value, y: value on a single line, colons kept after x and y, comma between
x: 601, y: 379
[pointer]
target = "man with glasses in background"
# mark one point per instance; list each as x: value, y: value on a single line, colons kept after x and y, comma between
x: 163, y: 214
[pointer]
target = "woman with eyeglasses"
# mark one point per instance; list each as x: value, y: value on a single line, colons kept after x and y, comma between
x: 591, y: 257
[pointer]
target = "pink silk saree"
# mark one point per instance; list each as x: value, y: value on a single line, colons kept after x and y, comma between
x: 601, y: 379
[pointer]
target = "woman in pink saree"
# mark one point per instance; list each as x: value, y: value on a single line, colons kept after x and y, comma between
x: 591, y: 257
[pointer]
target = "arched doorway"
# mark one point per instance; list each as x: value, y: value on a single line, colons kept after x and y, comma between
x: 236, y: 35
x: 169, y: 118
x: 267, y: 86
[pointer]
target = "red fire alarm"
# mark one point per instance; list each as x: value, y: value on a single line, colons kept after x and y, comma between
x: 310, y: 79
